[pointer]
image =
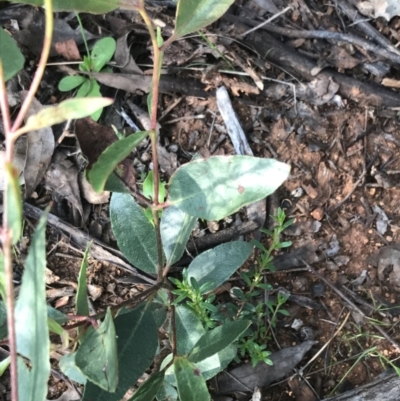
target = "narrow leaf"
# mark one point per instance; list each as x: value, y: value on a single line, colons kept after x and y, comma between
x: 110, y: 159
x: 97, y: 355
x: 67, y: 110
x: 4, y: 365
x: 137, y: 342
x: 95, y: 92
x: 218, y: 264
x: 217, y: 339
x: 149, y: 389
x: 176, y: 227
x: 220, y: 185
x: 14, y: 201
x: 31, y: 320
x: 135, y: 235
x: 71, y: 82
x: 102, y: 53
x: 81, y: 301
x: 10, y: 56
x: 191, y: 384
x: 2, y: 278
x: 192, y: 15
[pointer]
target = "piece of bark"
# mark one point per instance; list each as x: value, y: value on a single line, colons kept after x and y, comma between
x: 98, y: 250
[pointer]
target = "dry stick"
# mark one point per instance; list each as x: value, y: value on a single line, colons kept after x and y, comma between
x: 336, y: 36
x: 354, y: 306
x: 367, y: 28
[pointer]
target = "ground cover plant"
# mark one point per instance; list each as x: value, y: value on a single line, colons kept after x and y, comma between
x: 100, y: 357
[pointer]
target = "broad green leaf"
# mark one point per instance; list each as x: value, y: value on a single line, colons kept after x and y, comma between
x: 95, y: 92
x: 110, y: 158
x: 14, y: 200
x: 135, y: 235
x: 31, y: 320
x: 218, y: 264
x: 102, y: 53
x: 67, y: 110
x: 10, y: 56
x: 217, y: 339
x: 167, y: 392
x: 71, y: 82
x: 176, y: 227
x: 192, y: 15
x: 84, y: 89
x: 68, y: 367
x: 81, y: 301
x: 191, y: 384
x: 56, y: 315
x: 4, y: 365
x: 86, y: 6
x: 137, y: 342
x: 97, y: 355
x: 149, y: 389
x: 220, y: 185
x: 188, y: 328
x: 217, y: 363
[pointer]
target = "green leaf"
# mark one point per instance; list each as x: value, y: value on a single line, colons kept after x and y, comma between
x: 176, y: 227
x: 68, y: 367
x: 218, y: 264
x: 188, y: 328
x: 10, y: 56
x: 56, y: 315
x: 14, y: 200
x: 149, y: 389
x: 217, y: 363
x: 84, y: 90
x: 135, y: 235
x: 167, y: 392
x: 97, y: 355
x: 87, y: 6
x: 111, y: 157
x: 102, y: 53
x: 191, y: 384
x: 137, y: 342
x: 214, y: 188
x: 55, y: 327
x: 192, y: 15
x: 71, y: 82
x: 4, y: 365
x: 31, y: 320
x: 67, y: 110
x: 95, y: 92
x: 218, y: 339
x: 81, y: 301
x: 148, y: 187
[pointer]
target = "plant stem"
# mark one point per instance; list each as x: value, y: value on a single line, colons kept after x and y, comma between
x: 173, y: 324
x: 48, y: 34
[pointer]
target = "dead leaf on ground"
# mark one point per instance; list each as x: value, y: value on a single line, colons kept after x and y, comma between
x: 68, y: 49
x: 246, y: 377
x: 379, y: 8
x: 340, y: 58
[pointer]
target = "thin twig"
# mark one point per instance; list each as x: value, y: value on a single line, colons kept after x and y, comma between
x: 265, y: 22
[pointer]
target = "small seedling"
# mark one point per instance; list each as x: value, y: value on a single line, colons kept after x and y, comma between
x: 95, y: 61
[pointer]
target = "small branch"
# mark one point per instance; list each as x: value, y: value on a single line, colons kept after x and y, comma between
x: 173, y: 324
x: 48, y: 34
